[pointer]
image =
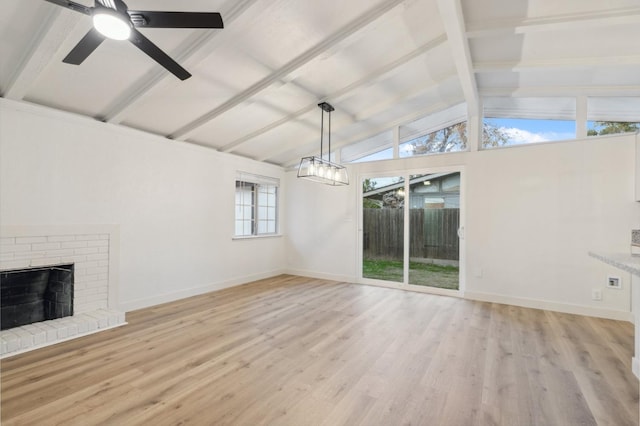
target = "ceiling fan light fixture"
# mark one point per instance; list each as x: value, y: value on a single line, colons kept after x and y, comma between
x: 111, y: 24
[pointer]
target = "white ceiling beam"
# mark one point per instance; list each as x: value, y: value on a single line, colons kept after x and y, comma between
x: 401, y: 97
x: 609, y: 61
x: 44, y: 45
x: 232, y: 146
x: 301, y: 60
x: 564, y: 22
x: 581, y: 116
x: 367, y: 134
x: 190, y: 52
x: 453, y: 20
x: 293, y: 161
x: 561, y: 91
x: 344, y: 91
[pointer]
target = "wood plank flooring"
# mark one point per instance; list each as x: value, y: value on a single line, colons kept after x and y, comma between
x: 300, y: 351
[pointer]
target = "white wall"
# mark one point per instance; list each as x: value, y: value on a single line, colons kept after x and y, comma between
x: 321, y: 229
x: 172, y: 201
x: 532, y: 214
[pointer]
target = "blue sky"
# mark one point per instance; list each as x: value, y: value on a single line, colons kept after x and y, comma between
x: 520, y: 131
x: 532, y: 131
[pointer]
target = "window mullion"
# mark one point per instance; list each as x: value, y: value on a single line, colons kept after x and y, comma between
x: 254, y: 203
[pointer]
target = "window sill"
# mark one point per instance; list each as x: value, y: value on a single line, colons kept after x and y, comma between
x: 254, y: 237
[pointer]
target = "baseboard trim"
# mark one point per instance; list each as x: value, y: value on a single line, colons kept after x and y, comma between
x: 195, y: 291
x: 550, y: 306
x: 479, y: 296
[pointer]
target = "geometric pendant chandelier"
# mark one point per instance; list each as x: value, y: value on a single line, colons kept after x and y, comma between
x: 318, y: 169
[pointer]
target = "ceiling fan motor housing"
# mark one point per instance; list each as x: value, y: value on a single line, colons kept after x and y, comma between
x: 117, y: 5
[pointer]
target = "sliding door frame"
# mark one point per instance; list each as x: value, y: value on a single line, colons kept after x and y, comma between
x: 406, y: 243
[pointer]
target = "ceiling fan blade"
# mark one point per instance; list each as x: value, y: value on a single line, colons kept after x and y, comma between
x: 149, y: 19
x: 158, y: 55
x: 84, y: 47
x: 72, y: 5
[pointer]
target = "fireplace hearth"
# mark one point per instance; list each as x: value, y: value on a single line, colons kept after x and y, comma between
x: 93, y: 251
x: 35, y: 294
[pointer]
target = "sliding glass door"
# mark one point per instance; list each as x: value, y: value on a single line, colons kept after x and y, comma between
x: 410, y: 229
x: 383, y: 228
x: 434, y: 220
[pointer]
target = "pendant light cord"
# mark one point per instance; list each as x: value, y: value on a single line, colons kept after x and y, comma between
x: 329, y: 135
x: 322, y: 131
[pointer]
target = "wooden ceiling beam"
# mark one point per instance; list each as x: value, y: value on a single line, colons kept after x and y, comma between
x: 561, y: 91
x: 454, y: 25
x: 585, y: 20
x: 397, y: 98
x: 190, y: 52
x: 43, y: 47
x: 310, y: 148
x: 557, y: 63
x: 296, y: 63
x: 341, y: 93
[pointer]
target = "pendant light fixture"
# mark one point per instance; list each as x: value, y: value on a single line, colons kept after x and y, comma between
x: 317, y: 168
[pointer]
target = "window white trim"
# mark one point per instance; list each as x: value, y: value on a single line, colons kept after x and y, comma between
x: 256, y: 206
x: 259, y: 179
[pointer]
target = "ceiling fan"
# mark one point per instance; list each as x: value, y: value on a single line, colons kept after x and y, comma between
x: 113, y: 19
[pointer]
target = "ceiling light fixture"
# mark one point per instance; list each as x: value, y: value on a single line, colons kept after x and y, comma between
x: 111, y: 23
x: 318, y: 169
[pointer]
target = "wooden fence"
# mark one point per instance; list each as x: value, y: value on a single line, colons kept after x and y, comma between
x: 433, y: 233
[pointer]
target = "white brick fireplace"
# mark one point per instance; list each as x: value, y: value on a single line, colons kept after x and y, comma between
x: 93, y: 250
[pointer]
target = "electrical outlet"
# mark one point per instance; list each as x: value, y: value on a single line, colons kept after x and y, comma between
x: 614, y: 282
x: 596, y: 294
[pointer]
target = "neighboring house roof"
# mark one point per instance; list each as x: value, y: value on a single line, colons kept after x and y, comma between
x: 394, y: 186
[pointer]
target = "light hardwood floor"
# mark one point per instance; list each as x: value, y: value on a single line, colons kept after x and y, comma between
x: 301, y: 351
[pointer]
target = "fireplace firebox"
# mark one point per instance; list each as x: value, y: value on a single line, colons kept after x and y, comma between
x: 35, y: 294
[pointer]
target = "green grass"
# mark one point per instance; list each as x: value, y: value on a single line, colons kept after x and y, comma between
x: 425, y: 274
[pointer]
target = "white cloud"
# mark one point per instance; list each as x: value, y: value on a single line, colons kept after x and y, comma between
x: 518, y: 136
x: 521, y: 136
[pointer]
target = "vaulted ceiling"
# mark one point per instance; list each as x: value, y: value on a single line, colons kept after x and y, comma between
x: 257, y: 82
